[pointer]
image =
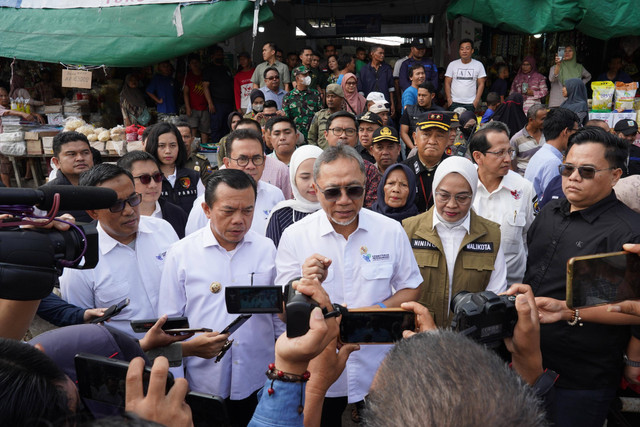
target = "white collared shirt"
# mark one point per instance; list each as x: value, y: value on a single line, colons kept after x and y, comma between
x: 268, y: 196
x: 451, y: 239
x: 366, y: 269
x: 511, y: 206
x: 123, y: 272
x: 157, y: 213
x: 191, y: 266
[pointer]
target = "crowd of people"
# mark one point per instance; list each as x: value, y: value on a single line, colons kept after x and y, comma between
x: 317, y: 185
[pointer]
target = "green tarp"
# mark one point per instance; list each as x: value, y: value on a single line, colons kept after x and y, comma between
x: 128, y: 36
x: 602, y: 19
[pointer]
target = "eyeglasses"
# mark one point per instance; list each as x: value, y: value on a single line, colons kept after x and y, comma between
x: 340, y: 131
x: 243, y: 161
x: 146, y: 178
x: 460, y: 198
x: 269, y: 115
x: 511, y: 152
x: 133, y: 200
x: 273, y: 78
x: 586, y: 172
x: 332, y: 194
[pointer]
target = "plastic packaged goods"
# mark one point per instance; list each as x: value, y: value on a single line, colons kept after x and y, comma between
x: 625, y: 95
x: 602, y: 96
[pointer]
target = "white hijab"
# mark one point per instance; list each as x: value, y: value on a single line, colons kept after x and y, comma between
x: 299, y: 203
x: 464, y: 167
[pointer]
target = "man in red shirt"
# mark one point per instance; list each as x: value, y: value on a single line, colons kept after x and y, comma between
x: 242, y: 84
x: 195, y: 102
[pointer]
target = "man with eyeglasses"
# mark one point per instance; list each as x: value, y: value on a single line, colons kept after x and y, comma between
x: 361, y: 258
x: 245, y: 153
x: 503, y: 196
x: 272, y: 90
x: 302, y: 102
x: 147, y: 180
x: 334, y: 98
x: 131, y: 253
x: 588, y: 356
x: 341, y: 129
x: 559, y: 125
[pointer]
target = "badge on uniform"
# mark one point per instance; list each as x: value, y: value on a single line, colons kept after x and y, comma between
x: 422, y: 244
x: 481, y: 247
x: 185, y: 182
x: 215, y: 287
x: 196, y: 168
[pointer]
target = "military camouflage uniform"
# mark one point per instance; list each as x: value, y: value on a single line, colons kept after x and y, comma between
x: 317, y: 128
x: 301, y: 106
x: 199, y: 163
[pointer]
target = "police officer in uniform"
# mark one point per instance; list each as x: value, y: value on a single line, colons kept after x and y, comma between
x: 456, y: 249
x: 196, y: 161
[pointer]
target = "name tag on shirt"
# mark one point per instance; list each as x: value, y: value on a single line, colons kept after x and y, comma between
x: 479, y: 247
x: 422, y: 244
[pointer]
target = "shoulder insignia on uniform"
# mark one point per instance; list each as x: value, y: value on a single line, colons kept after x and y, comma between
x: 422, y: 244
x: 185, y: 181
x: 201, y: 156
x: 482, y: 247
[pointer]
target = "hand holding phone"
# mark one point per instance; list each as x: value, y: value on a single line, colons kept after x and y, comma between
x: 112, y: 311
x: 376, y: 326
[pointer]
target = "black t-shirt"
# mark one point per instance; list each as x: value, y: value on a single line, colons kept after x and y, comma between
x: 500, y: 87
x: 424, y: 181
x: 220, y: 83
x: 587, y: 357
x: 634, y: 160
x: 415, y: 114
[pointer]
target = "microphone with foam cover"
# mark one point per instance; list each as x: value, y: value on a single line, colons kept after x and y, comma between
x: 71, y: 197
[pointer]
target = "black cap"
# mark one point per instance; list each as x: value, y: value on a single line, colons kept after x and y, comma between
x: 627, y: 127
x: 419, y: 43
x: 369, y: 117
x: 437, y: 119
x: 385, y: 133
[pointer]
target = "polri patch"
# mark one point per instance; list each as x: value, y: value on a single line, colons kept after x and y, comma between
x: 482, y: 247
x: 422, y: 244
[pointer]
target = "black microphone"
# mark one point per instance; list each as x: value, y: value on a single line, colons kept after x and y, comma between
x: 71, y: 197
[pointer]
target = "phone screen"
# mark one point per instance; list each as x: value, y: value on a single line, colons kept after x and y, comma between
x: 375, y: 327
x: 253, y: 299
x: 603, y: 279
x: 561, y: 52
x: 235, y: 324
x: 103, y: 380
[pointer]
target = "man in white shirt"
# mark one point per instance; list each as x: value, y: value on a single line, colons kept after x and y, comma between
x: 363, y: 259
x: 245, y: 153
x: 225, y: 252
x: 464, y: 79
x: 131, y: 254
x: 503, y: 196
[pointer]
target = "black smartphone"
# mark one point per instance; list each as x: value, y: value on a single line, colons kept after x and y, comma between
x: 207, y: 410
x: 103, y: 380
x: 237, y: 322
x: 114, y: 310
x: 602, y: 279
x: 186, y: 330
x: 253, y: 299
x: 144, y: 325
x: 375, y: 326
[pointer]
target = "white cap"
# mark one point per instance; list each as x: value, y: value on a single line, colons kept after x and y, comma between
x: 379, y: 106
x: 376, y: 96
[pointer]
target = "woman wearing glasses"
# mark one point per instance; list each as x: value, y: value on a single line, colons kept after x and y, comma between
x: 147, y: 180
x: 355, y: 103
x: 456, y: 249
x: 180, y: 186
x: 305, y: 200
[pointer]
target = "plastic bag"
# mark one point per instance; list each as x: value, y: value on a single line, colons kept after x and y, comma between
x: 625, y: 95
x: 602, y: 96
x: 18, y: 148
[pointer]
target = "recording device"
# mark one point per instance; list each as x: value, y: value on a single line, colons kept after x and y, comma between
x: 112, y: 311
x: 32, y: 259
x: 602, y: 279
x: 484, y: 316
x: 375, y: 326
x: 235, y: 324
x: 253, y: 299
x: 103, y: 380
x: 142, y: 326
x: 561, y: 52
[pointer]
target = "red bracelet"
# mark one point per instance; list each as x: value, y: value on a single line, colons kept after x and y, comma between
x: 274, y: 374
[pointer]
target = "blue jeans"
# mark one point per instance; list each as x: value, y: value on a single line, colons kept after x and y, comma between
x: 583, y: 408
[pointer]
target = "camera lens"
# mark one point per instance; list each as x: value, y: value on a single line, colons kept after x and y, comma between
x: 457, y: 299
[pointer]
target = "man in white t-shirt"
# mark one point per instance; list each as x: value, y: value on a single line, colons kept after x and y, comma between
x: 464, y: 79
